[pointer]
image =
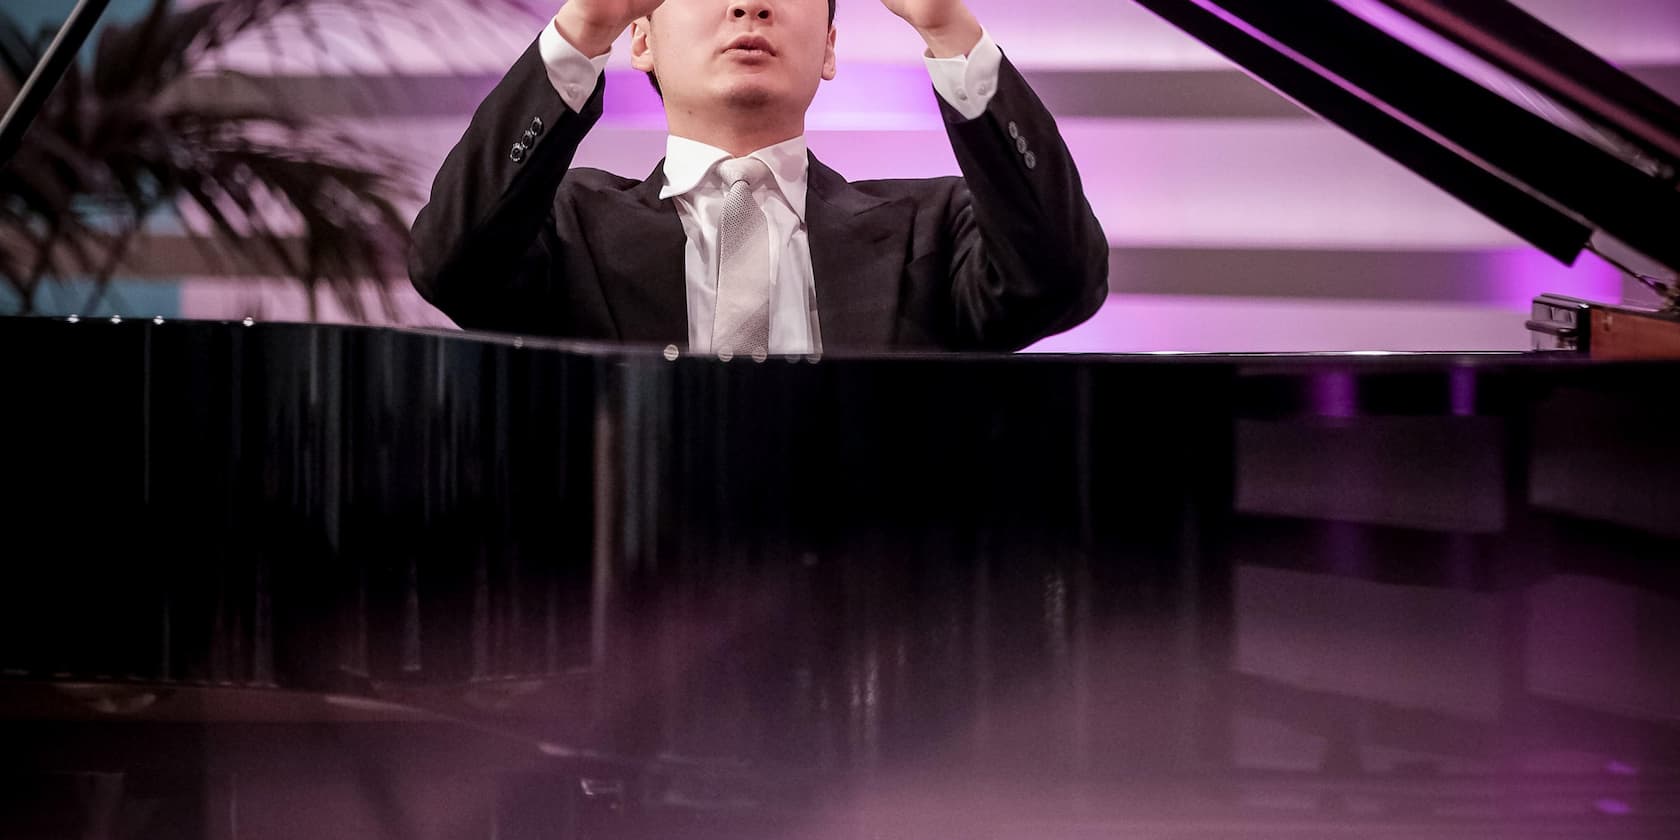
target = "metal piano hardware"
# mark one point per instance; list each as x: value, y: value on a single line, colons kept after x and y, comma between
x: 1560, y: 323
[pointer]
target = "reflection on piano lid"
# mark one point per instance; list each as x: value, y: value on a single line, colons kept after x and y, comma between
x: 1483, y: 100
x: 1484, y: 72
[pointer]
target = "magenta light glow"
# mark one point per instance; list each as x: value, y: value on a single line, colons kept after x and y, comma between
x: 1462, y: 384
x: 876, y: 97
x: 1518, y: 275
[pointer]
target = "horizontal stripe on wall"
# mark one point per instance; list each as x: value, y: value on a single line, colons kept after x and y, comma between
x: 1253, y: 183
x: 1126, y: 323
x: 1507, y: 278
x: 437, y: 36
x: 1187, y: 324
x: 878, y: 88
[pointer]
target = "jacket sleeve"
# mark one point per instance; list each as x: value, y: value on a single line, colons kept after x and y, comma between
x: 1029, y: 257
x: 485, y: 243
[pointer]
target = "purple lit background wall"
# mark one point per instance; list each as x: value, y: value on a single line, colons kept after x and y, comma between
x: 1237, y: 222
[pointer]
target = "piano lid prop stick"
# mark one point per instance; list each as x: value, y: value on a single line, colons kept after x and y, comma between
x: 32, y: 97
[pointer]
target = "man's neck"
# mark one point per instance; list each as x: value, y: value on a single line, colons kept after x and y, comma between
x: 739, y: 136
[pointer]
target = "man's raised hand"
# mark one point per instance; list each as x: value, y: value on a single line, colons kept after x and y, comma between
x: 948, y: 27
x: 592, y: 25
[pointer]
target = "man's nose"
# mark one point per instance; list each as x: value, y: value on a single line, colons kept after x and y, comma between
x: 750, y: 8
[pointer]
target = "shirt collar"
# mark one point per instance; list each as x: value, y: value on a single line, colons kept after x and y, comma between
x: 688, y: 163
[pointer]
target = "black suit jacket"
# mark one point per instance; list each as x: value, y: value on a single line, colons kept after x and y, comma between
x: 513, y: 240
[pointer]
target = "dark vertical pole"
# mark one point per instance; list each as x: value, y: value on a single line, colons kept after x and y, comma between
x: 41, y: 82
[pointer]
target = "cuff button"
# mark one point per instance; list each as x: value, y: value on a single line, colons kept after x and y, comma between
x: 1021, y: 144
x: 1014, y: 131
x: 536, y: 126
x: 1030, y: 159
x: 517, y: 154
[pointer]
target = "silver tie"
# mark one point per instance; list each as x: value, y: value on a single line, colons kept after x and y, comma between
x: 741, y: 324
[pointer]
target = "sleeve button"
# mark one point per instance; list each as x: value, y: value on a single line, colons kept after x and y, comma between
x: 517, y: 154
x: 536, y: 126
x: 1014, y: 131
x: 1030, y: 159
x: 1021, y: 145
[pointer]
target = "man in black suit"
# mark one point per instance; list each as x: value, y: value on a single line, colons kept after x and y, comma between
x: 740, y: 242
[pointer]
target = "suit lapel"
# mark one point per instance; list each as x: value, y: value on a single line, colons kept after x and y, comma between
x: 858, y: 250
x: 858, y: 247
x: 637, y: 243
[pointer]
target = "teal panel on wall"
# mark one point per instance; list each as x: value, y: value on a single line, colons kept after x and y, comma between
x: 35, y: 15
x: 128, y: 298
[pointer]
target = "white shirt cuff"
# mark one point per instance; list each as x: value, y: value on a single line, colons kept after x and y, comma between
x: 967, y: 83
x: 572, y: 73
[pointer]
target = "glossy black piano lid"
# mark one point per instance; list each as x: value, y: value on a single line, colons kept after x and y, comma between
x: 1539, y: 55
x: 1535, y: 175
x: 307, y: 573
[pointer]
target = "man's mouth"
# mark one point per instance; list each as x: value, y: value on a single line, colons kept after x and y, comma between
x: 750, y: 45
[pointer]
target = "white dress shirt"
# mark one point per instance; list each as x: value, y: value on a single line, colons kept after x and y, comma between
x: 966, y: 83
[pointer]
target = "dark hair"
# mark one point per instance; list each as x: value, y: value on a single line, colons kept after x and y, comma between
x: 654, y: 80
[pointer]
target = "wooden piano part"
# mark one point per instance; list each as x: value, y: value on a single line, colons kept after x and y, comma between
x: 1604, y: 331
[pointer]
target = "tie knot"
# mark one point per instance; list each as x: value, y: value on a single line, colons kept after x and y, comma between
x: 749, y: 169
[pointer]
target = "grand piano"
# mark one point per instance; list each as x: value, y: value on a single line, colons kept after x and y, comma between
x: 266, y: 580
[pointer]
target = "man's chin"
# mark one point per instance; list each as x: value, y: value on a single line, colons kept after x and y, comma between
x: 750, y: 94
